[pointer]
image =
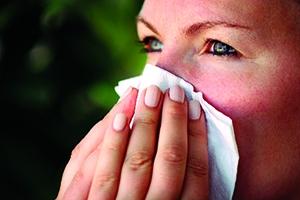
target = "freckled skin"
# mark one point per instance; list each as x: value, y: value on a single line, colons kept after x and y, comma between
x: 260, y: 91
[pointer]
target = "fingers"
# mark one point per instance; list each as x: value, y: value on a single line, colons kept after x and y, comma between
x: 106, y: 178
x: 171, y: 156
x: 93, y: 139
x: 196, y: 178
x: 168, y: 163
x: 137, y: 168
x: 80, y: 184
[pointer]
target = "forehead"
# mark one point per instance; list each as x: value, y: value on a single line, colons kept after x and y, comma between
x: 174, y: 12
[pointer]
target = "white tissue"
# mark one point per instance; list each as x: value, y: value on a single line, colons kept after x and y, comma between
x: 222, y: 148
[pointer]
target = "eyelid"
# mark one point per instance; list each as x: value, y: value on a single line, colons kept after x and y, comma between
x: 248, y: 46
x: 146, y: 42
x: 144, y: 32
x: 208, y: 45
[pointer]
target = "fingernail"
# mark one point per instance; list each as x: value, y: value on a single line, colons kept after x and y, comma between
x: 194, y: 110
x: 119, y: 122
x: 177, y: 94
x: 152, y: 96
x: 125, y: 94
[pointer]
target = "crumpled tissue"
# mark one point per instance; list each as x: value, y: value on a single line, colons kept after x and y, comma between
x: 222, y: 147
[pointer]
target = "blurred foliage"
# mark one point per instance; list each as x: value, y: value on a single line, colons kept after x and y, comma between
x: 59, y: 63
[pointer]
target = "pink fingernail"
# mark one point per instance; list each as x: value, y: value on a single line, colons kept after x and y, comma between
x: 194, y: 110
x: 177, y: 94
x: 119, y: 122
x: 152, y: 96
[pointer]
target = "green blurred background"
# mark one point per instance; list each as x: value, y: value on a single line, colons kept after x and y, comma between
x: 59, y: 63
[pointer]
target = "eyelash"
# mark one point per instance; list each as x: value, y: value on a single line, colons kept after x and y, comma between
x: 146, y: 45
x: 210, y: 47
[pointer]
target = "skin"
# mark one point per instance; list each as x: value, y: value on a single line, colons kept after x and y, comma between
x: 147, y: 161
x: 162, y: 156
x: 260, y: 90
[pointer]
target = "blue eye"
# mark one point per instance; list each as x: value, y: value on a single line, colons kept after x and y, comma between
x: 151, y: 44
x: 218, y: 48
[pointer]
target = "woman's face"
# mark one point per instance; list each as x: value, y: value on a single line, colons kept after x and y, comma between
x: 244, y: 56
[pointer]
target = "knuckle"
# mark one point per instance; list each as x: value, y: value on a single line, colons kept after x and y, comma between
x: 177, y: 111
x: 195, y: 132
x: 173, y: 155
x: 78, y: 178
x: 113, y: 147
x: 145, y: 120
x: 106, y: 181
x: 139, y: 160
x: 75, y: 152
x: 197, y: 167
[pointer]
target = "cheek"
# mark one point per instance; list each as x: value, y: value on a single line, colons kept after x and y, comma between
x: 246, y: 93
x: 233, y: 97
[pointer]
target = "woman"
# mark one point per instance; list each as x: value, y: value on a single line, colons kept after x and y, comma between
x: 244, y: 57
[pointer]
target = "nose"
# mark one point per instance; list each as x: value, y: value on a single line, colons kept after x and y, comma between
x: 170, y: 60
x: 180, y: 61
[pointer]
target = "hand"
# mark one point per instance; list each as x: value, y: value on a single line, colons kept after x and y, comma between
x: 163, y: 156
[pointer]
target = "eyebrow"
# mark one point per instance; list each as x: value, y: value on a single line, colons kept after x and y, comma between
x: 200, y: 26
x: 140, y: 19
x: 196, y: 27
